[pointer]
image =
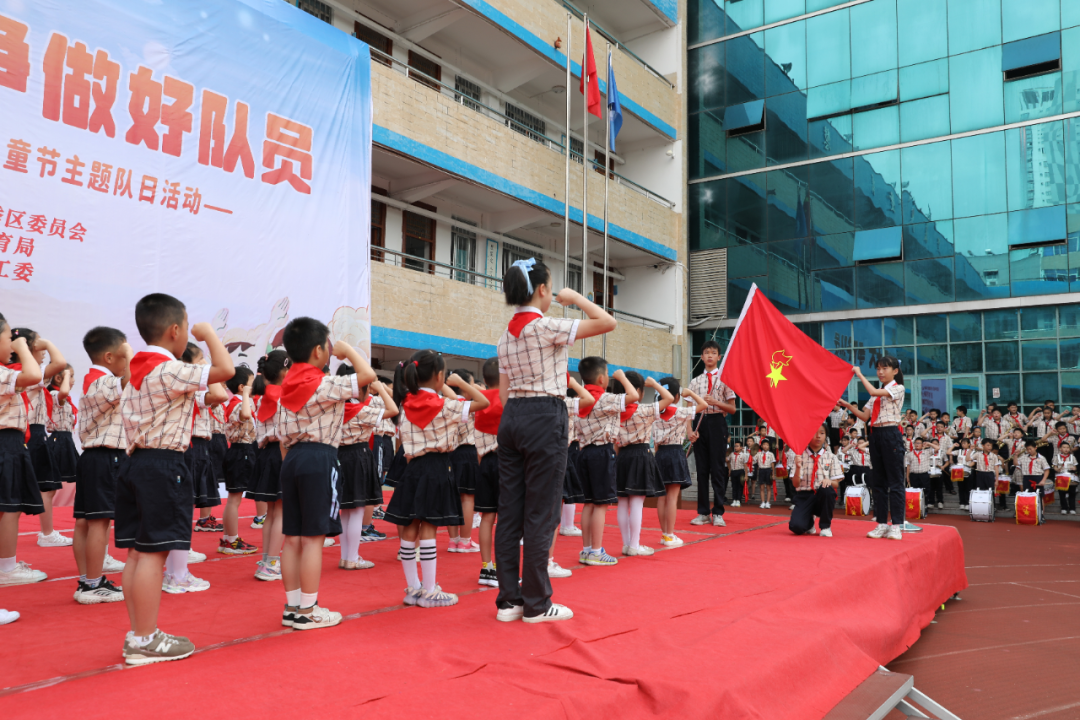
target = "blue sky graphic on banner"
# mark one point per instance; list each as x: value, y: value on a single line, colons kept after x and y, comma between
x: 216, y: 150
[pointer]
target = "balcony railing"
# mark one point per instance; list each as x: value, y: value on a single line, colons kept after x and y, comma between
x: 608, y: 36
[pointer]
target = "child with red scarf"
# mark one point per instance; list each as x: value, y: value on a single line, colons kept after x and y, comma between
x: 426, y: 498
x: 577, y: 398
x: 815, y: 475
x: 669, y: 433
x: 486, y: 425
x: 266, y: 483
x: 61, y: 425
x: 155, y: 495
x: 238, y: 422
x: 466, y: 464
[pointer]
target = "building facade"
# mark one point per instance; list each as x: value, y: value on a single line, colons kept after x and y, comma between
x: 470, y: 141
x: 898, y: 177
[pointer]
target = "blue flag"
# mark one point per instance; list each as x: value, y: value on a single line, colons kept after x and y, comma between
x: 614, y: 106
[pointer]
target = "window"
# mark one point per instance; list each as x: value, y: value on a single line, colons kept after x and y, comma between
x: 746, y: 118
x: 882, y: 244
x: 598, y: 163
x: 513, y: 253
x: 1030, y: 57
x: 573, y: 279
x: 469, y: 93
x: 526, y: 123
x: 577, y: 149
x: 378, y: 225
x: 381, y: 46
x: 604, y: 300
x: 425, y: 70
x: 463, y: 252
x: 418, y: 234
x: 319, y: 9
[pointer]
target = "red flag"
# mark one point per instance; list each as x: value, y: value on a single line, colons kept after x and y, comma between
x: 787, y: 378
x: 588, y: 74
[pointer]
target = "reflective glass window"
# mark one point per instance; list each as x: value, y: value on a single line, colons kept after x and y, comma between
x: 1038, y: 322
x: 920, y: 81
x: 810, y: 330
x: 707, y: 77
x: 708, y: 213
x: 1035, y: 162
x: 876, y: 128
x: 1069, y: 321
x: 828, y: 99
x: 776, y: 10
x: 747, y: 207
x: 786, y: 64
x: 1070, y: 354
x: 831, y: 251
x: 1070, y: 62
x: 879, y: 285
x: 923, y: 119
x: 785, y: 128
x: 836, y: 334
x: 744, y: 115
x: 833, y: 290
x: 929, y: 281
x: 1039, y: 387
x: 745, y: 260
x: 932, y: 359
x: 880, y: 244
x: 830, y: 137
x: 931, y: 329
x: 979, y: 175
x: 867, y: 332
x: 1038, y: 225
x: 874, y: 89
x: 906, y: 355
x: 1070, y: 388
x: 745, y: 61
x: 739, y: 289
x: 1039, y: 354
x: 745, y: 152
x: 828, y: 54
x: 973, y: 24
x: 844, y: 355
x: 1072, y: 159
x: 877, y: 188
x: 965, y: 327
x: 1070, y: 14
x: 923, y: 30
x: 813, y: 5
x: 926, y: 240
x: 1003, y: 355
x: 899, y: 330
x: 1001, y: 324
x: 744, y: 15
x: 705, y: 20
x: 1032, y: 51
x: 975, y: 90
x: 873, y: 37
x: 982, y: 257
x: 1003, y: 388
x: 966, y: 357
x: 789, y: 216
x: 927, y: 174
x: 1035, y: 271
x: 832, y: 182
x: 1027, y: 18
x: 866, y: 358
x: 708, y: 145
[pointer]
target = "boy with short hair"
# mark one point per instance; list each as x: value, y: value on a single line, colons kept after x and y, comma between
x: 154, y: 496
x: 961, y: 426
x: 816, y: 477
x: 310, y: 422
x: 101, y: 431
x: 597, y: 429
x: 710, y: 438
x: 917, y: 467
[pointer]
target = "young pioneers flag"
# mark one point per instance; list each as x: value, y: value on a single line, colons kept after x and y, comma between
x: 588, y: 75
x: 787, y: 378
x: 614, y: 106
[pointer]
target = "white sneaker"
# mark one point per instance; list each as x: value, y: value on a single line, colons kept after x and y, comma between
x: 8, y: 616
x: 267, y: 571
x: 476, y: 520
x: 1064, y: 512
x: 1072, y: 512
x: 510, y: 614
x: 571, y: 531
x: 554, y: 613
x: 670, y: 541
x: 761, y: 505
x: 895, y: 533
x: 556, y: 571
x: 112, y: 565
x: 700, y: 520
x: 718, y: 521
x: 879, y: 532
x: 318, y: 618
x: 768, y: 506
x: 23, y: 574
x: 328, y: 542
x: 191, y: 583
x: 812, y: 531
x: 940, y: 506
x: 827, y: 532
x: 53, y: 539
x: 736, y: 503
x: 193, y: 556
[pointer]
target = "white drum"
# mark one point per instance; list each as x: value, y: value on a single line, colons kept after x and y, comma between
x: 857, y: 500
x: 982, y: 505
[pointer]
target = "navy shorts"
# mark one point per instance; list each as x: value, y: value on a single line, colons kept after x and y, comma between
x: 95, y: 483
x: 309, y: 498
x: 596, y: 469
x: 155, y: 502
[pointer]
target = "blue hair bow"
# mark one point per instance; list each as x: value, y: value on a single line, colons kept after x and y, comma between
x: 525, y: 266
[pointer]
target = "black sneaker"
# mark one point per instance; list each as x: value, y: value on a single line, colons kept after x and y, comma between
x: 370, y: 534
x: 78, y: 590
x: 288, y: 616
x: 378, y: 513
x: 105, y: 592
x: 487, y: 577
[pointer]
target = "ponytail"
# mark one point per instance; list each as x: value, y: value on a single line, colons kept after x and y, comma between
x: 191, y: 352
x: 273, y: 367
x: 522, y: 279
x: 29, y: 335
x: 420, y: 368
x: 242, y: 376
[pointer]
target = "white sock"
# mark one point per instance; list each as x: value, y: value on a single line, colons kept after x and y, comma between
x: 586, y: 549
x: 637, y: 504
x: 624, y: 520
x: 176, y: 563
x: 93, y: 583
x: 408, y: 564
x: 567, y: 519
x: 7, y: 564
x: 352, y: 524
x: 308, y: 599
x: 292, y: 597
x: 142, y: 642
x: 230, y: 538
x: 428, y: 558
x: 82, y: 578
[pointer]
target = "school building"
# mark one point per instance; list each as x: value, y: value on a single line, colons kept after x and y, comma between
x: 898, y: 177
x: 469, y: 170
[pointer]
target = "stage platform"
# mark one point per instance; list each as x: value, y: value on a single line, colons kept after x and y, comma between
x: 745, y: 621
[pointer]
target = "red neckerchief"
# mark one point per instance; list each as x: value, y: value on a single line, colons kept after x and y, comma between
x: 521, y: 319
x: 596, y: 391
x: 487, y: 420
x: 1031, y: 464
x: 230, y: 406
x: 301, y: 382
x: 142, y: 364
x: 1061, y: 439
x: 90, y: 378
x: 628, y: 413
x: 48, y: 402
x: 708, y: 376
x: 986, y: 459
x: 352, y: 409
x: 918, y: 455
x: 17, y: 367
x: 422, y: 407
x: 269, y: 403
x: 876, y: 411
x: 669, y: 412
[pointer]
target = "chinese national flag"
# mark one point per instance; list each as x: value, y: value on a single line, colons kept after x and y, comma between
x: 588, y: 76
x: 785, y: 377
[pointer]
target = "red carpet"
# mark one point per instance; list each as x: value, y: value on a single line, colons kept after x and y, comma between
x: 699, y: 631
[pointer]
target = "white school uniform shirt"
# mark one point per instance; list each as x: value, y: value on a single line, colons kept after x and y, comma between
x: 537, y: 360
x: 1066, y: 466
x: 720, y: 391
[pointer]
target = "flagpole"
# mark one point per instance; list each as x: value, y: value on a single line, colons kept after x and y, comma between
x: 584, y: 163
x: 566, y: 191
x: 607, y: 164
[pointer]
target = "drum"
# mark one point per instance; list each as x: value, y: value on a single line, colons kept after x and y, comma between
x: 956, y: 472
x: 981, y: 503
x: 780, y: 473
x: 857, y: 501
x: 1048, y: 495
x: 1029, y: 508
x: 1001, y: 487
x: 915, y: 508
x: 1062, y: 481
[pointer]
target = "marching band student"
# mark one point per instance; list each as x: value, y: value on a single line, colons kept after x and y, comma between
x: 927, y: 424
x: 486, y: 425
x: 961, y: 426
x: 986, y: 466
x: 993, y: 427
x: 817, y: 474
x: 1065, y: 464
x: 577, y: 398
x: 266, y: 483
x: 1015, y: 419
x: 426, y: 496
x: 61, y: 424
x: 669, y: 432
x: 737, y: 462
x: 636, y: 473
x: 882, y: 413
x: 19, y: 492
x: 1034, y: 468
x: 153, y: 510
x: 710, y: 438
x: 909, y: 438
x: 859, y: 452
x: 962, y: 455
x: 1058, y: 437
x: 917, y: 468
x: 843, y: 454
x: 939, y: 465
x: 533, y: 357
x: 836, y: 423
x: 466, y: 465
x: 239, y: 462
x: 763, y: 473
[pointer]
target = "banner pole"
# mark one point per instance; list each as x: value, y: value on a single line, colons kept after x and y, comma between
x: 584, y: 163
x: 607, y: 163
x: 566, y: 190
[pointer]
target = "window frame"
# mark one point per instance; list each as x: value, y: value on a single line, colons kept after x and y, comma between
x: 405, y: 236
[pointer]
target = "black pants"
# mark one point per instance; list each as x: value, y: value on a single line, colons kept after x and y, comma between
x: 1068, y: 498
x: 738, y: 480
x: 809, y: 504
x: 710, y: 458
x: 789, y: 487
x: 965, y: 490
x: 532, y: 462
x: 887, y: 474
x: 983, y: 480
x: 937, y: 488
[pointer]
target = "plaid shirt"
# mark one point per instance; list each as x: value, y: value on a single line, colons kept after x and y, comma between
x: 890, y: 404
x: 764, y: 460
x: 536, y: 362
x: 218, y: 422
x: 63, y: 420
x: 158, y: 415
x: 828, y: 469
x: 439, y: 435
x: 919, y: 461
x: 39, y: 411
x: 488, y: 443
x: 994, y: 429
x: 837, y: 417
x: 572, y: 405
x: 203, y: 426
x: 637, y: 429
x: 860, y: 456
x: 720, y: 391
x: 321, y: 420
x: 1034, y: 465
x: 466, y: 434
x: 985, y: 462
x: 737, y: 460
x: 265, y: 432
x: 12, y: 410
x: 601, y: 425
x: 1042, y: 427
x: 363, y: 424
x: 960, y: 426
x: 237, y: 430
x: 386, y: 426
x: 673, y: 431
x: 101, y: 424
